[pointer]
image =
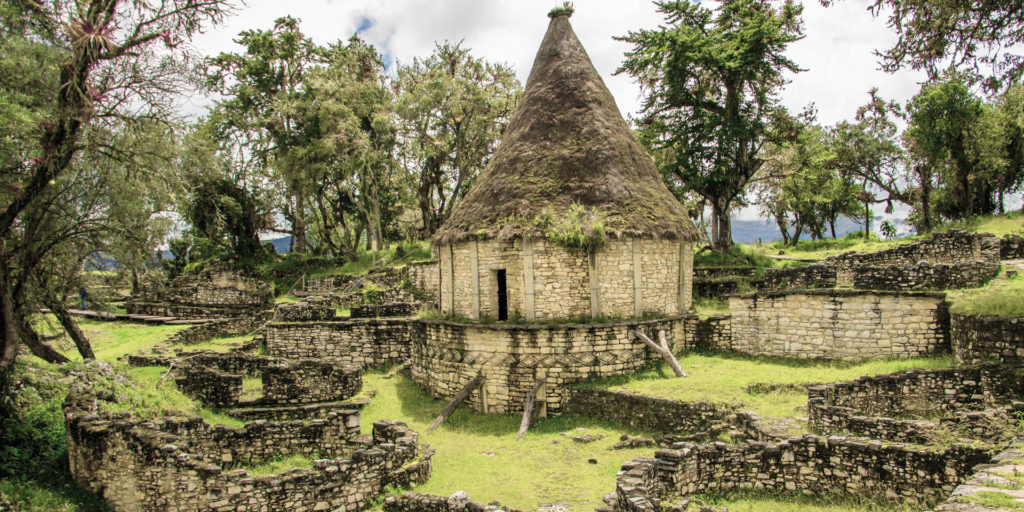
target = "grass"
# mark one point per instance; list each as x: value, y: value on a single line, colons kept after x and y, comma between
x: 1003, y: 296
x: 821, y: 249
x: 725, y: 378
x: 477, y: 453
x: 220, y: 344
x: 739, y: 255
x: 252, y: 387
x: 110, y: 340
x: 706, y: 307
x: 278, y: 465
x: 994, y: 499
x: 761, y: 501
x: 1010, y: 223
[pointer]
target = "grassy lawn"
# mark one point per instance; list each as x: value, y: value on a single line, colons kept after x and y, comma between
x: 726, y: 378
x: 1003, y: 296
x: 110, y: 340
x: 219, y: 344
x: 477, y: 453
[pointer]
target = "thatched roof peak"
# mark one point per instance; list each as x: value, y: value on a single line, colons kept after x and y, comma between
x: 567, y: 144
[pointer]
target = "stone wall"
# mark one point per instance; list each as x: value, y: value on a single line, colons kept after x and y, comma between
x: 716, y: 288
x: 458, y: 502
x: 977, y: 339
x: 238, y: 326
x: 447, y: 355
x: 426, y: 276
x: 925, y: 276
x: 809, y: 465
x: 950, y: 247
x: 175, y: 464
x: 304, y: 311
x: 385, y: 310
x: 310, y: 380
x: 646, y: 413
x: 213, y: 288
x: 839, y: 324
x: 720, y: 272
x: 210, y: 386
x: 547, y: 281
x: 868, y: 406
x: 815, y: 275
x: 190, y: 312
x: 363, y: 343
x: 1011, y: 247
x: 712, y: 333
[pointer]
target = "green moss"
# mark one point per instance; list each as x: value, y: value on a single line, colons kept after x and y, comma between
x: 278, y: 465
x: 577, y: 228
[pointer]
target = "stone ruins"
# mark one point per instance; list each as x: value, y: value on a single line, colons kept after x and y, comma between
x: 527, y: 314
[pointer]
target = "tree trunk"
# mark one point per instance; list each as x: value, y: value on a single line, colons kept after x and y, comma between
x: 8, y: 325
x: 925, y: 182
x: 37, y: 346
x: 299, y: 224
x: 721, y: 225
x: 71, y: 327
x: 867, y: 221
x: 662, y: 350
x: 528, y: 409
x: 459, y: 397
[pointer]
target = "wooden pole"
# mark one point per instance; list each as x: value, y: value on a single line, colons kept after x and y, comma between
x: 459, y: 397
x: 528, y: 409
x: 662, y: 349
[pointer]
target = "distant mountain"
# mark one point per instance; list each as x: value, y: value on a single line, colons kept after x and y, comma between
x: 750, y: 231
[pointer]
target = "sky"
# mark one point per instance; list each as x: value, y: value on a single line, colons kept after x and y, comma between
x: 837, y: 52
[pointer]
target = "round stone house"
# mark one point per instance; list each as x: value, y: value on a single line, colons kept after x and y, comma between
x: 570, y: 218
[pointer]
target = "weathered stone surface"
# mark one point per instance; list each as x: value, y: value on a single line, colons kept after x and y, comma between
x: 987, y: 338
x: 174, y: 464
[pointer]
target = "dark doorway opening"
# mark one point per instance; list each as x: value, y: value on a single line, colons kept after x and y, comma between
x: 502, y: 295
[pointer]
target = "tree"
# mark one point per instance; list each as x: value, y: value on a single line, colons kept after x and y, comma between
x: 967, y: 36
x: 1008, y: 115
x: 869, y: 150
x: 453, y: 109
x: 710, y: 79
x: 261, y: 87
x: 941, y: 118
x: 800, y: 184
x: 353, y: 140
x: 104, y: 70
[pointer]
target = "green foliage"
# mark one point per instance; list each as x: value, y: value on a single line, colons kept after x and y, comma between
x: 711, y: 79
x: 981, y: 40
x: 577, y: 228
x: 1001, y: 297
x: 739, y: 255
x: 565, y: 10
x: 452, y: 109
x: 279, y: 464
x: 888, y: 230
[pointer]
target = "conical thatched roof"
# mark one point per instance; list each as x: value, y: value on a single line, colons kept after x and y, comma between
x: 567, y: 144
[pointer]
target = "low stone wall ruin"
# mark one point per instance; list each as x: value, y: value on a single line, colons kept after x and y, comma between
x: 815, y: 275
x: 646, y: 413
x: 310, y: 380
x: 720, y: 272
x: 304, y: 311
x: 1011, y: 247
x: 839, y: 324
x: 458, y: 502
x: 712, y: 333
x: 447, y: 355
x: 209, y: 294
x: 925, y: 276
x: 238, y: 326
x: 809, y: 464
x: 977, y: 339
x: 174, y: 464
x: 365, y: 343
x: 399, y: 309
x: 210, y: 386
x: 871, y: 406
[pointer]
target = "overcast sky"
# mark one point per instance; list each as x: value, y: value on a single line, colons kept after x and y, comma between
x: 837, y: 51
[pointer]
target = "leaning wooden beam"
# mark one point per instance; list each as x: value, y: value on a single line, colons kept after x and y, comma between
x: 662, y: 349
x: 459, y: 397
x: 528, y: 409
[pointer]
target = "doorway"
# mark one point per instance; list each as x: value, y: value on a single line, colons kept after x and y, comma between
x: 502, y: 295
